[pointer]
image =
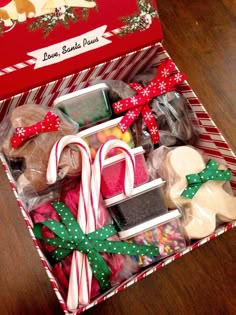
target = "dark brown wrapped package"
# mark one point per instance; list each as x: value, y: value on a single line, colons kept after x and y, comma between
x: 172, y: 114
x: 171, y: 111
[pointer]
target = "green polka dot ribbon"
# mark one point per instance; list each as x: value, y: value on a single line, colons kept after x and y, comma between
x: 211, y: 172
x: 69, y: 237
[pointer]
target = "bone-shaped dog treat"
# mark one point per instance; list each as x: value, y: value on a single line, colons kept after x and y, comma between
x: 210, y: 202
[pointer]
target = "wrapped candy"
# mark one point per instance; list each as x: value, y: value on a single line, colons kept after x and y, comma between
x: 197, y: 185
x: 155, y: 111
x: 32, y: 132
x: 172, y: 113
x: 121, y: 267
x: 163, y: 231
x: 87, y: 107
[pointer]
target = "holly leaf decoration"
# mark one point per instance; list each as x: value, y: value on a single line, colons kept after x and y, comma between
x: 64, y: 15
x: 141, y: 20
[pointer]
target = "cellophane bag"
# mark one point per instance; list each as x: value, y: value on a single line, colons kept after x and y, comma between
x: 122, y: 267
x: 172, y: 113
x: 26, y: 149
x: 197, y: 185
x: 170, y: 110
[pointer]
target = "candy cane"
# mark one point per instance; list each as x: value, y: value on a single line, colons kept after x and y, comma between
x: 81, y: 275
x: 93, y: 209
x: 79, y: 291
x: 98, y: 165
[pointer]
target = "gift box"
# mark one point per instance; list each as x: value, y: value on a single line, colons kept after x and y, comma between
x: 136, y: 43
x: 64, y: 37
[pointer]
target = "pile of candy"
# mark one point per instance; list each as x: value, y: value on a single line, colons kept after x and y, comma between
x: 101, y: 133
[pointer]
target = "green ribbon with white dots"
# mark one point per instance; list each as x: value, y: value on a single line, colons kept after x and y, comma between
x: 69, y: 237
x: 211, y: 172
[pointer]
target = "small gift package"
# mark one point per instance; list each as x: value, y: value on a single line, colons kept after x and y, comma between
x: 86, y: 107
x: 164, y: 231
x: 64, y: 47
x: 97, y: 135
x: 157, y: 113
x: 198, y: 185
x: 145, y: 203
x: 26, y: 144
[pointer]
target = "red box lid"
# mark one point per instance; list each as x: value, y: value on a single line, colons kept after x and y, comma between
x: 42, y: 41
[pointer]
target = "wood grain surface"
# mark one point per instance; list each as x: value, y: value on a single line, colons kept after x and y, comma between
x: 200, y: 36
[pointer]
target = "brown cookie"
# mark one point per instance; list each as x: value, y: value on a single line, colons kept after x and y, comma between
x: 35, y: 151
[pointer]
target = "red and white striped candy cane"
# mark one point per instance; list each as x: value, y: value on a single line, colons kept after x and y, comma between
x: 79, y: 291
x: 98, y: 165
x: 81, y: 275
x: 93, y: 209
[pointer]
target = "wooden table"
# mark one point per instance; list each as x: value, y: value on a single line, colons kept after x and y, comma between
x: 200, y: 36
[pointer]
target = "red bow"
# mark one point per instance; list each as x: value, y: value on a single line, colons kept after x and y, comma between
x: 164, y: 82
x: 51, y: 122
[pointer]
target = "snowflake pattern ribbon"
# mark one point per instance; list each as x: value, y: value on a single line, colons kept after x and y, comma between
x: 69, y: 237
x: 211, y: 172
x: 51, y: 122
x: 164, y: 81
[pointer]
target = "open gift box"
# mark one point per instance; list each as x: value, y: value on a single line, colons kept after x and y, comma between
x: 124, y: 67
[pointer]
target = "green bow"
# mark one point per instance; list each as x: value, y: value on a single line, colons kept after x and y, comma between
x: 211, y: 172
x: 71, y: 237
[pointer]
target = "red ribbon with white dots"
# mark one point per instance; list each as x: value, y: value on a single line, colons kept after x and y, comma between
x: 164, y: 81
x: 50, y: 123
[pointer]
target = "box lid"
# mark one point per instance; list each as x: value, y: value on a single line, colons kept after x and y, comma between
x: 42, y: 41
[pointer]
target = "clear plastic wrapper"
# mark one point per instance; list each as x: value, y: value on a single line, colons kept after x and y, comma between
x: 164, y: 231
x: 197, y: 185
x: 26, y: 147
x: 145, y: 203
x: 170, y: 110
x: 97, y: 135
x: 87, y: 107
x: 121, y: 266
x: 171, y: 113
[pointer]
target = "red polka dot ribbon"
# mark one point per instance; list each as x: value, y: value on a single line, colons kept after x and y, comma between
x: 50, y: 123
x: 165, y: 81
